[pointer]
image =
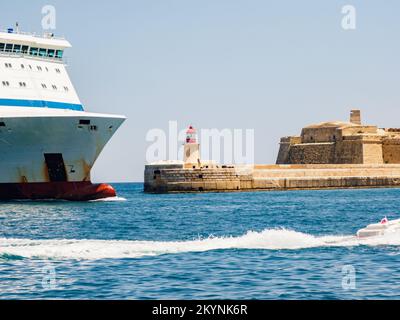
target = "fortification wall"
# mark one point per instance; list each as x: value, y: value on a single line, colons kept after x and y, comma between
x: 351, y: 131
x: 312, y: 153
x: 349, y: 152
x: 391, y: 150
x: 285, y: 145
x: 332, y: 143
x: 372, y: 153
x: 311, y: 135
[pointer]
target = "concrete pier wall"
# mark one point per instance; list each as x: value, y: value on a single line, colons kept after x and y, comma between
x: 175, y: 178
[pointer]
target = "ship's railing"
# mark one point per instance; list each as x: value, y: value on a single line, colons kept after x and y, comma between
x: 27, y: 55
x: 34, y: 34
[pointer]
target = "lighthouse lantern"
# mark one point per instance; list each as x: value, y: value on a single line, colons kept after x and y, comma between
x: 191, y: 135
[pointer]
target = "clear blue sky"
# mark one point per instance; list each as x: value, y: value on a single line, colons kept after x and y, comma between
x: 273, y: 66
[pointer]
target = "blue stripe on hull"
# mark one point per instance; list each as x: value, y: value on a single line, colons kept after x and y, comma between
x: 40, y: 104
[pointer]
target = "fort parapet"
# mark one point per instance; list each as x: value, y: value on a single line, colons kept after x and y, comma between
x: 325, y: 156
x: 339, y: 142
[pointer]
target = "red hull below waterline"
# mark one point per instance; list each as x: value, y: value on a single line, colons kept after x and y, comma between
x: 72, y: 191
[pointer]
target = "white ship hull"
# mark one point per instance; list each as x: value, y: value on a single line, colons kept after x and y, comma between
x: 29, y: 135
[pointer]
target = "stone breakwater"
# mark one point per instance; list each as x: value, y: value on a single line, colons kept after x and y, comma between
x: 167, y: 178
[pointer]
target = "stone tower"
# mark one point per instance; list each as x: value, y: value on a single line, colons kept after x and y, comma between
x: 192, y: 147
x: 355, y: 117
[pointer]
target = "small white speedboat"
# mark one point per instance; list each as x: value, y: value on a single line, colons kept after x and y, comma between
x: 379, y: 229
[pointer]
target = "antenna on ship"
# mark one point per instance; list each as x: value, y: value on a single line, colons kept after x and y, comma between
x: 17, y: 27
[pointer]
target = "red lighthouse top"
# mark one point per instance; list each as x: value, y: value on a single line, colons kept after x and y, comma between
x: 191, y: 135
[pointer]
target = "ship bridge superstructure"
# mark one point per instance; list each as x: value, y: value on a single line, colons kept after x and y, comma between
x: 33, y: 72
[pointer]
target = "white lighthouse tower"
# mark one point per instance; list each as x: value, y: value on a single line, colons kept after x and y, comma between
x: 192, y: 147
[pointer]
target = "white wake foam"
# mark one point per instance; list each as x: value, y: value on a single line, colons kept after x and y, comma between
x: 270, y: 239
x: 111, y: 199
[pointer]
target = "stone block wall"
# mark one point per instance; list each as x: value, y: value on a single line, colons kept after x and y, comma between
x: 284, y: 149
x: 194, y: 180
x: 278, y: 177
x: 391, y: 150
x: 350, y: 131
x: 349, y: 152
x: 312, y: 153
x: 311, y: 135
x: 372, y: 153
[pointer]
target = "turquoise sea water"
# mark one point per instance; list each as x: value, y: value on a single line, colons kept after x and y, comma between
x: 262, y: 245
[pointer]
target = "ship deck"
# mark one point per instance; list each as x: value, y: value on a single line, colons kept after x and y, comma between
x: 27, y: 112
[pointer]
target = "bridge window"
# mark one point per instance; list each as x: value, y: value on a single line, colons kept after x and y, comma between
x: 6, y: 83
x: 22, y: 84
x: 33, y: 51
x: 44, y: 86
x: 54, y: 87
x: 59, y: 54
x: 17, y: 48
x: 42, y: 52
